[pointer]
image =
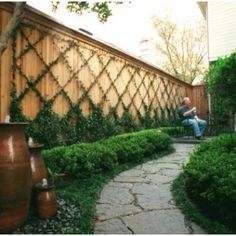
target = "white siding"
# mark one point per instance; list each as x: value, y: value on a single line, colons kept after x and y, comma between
x: 221, y: 28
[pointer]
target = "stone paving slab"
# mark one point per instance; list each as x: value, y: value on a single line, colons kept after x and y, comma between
x: 130, y: 179
x: 116, y: 195
x: 157, y: 222
x: 113, y: 226
x: 160, y: 179
x: 156, y: 197
x: 108, y: 211
x: 119, y: 185
x: 139, y: 200
x: 132, y: 173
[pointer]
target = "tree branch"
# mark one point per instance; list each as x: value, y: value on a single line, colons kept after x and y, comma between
x: 12, y: 24
x: 182, y: 51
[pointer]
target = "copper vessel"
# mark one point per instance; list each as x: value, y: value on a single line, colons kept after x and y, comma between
x: 15, y: 177
x: 46, y: 200
x: 38, y: 167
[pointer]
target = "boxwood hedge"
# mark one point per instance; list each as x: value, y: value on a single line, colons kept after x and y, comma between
x: 82, y: 159
x: 211, y: 178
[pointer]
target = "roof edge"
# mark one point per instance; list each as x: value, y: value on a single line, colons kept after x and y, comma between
x: 50, y: 22
x: 203, y: 7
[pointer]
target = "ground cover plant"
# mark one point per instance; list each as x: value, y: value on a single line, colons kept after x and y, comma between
x: 65, y: 221
x: 208, y: 181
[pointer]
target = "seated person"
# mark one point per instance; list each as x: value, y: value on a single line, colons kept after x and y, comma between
x: 188, y: 117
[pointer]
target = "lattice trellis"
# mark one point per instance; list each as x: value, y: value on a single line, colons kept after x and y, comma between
x: 51, y: 66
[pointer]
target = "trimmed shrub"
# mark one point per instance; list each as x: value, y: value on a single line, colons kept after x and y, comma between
x: 173, y: 131
x: 220, y: 81
x: 211, y: 178
x: 82, y: 159
x: 137, y: 145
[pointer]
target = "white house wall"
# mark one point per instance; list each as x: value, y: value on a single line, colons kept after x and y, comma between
x: 221, y: 28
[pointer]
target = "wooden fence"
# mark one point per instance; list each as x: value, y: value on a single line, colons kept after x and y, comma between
x: 48, y: 61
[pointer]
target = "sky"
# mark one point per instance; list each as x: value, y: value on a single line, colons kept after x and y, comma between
x: 130, y: 22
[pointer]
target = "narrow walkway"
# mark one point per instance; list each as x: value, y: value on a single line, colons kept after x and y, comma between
x: 139, y: 201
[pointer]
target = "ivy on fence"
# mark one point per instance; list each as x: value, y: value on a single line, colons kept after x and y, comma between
x: 51, y: 129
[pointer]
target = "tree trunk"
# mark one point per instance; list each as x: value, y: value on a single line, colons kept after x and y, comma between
x: 12, y: 24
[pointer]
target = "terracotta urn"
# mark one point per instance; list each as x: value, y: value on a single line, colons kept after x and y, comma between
x: 38, y: 167
x: 46, y: 202
x: 15, y: 177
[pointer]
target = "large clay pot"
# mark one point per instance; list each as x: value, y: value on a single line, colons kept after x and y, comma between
x: 15, y: 177
x: 46, y: 200
x: 38, y: 167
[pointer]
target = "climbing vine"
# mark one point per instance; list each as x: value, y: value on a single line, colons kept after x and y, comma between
x: 74, y: 127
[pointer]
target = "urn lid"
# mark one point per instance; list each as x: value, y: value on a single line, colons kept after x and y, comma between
x: 35, y: 145
x: 45, y: 184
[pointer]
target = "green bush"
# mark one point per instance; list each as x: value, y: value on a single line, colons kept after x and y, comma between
x: 211, y: 178
x: 96, y: 125
x: 127, y: 122
x: 138, y: 144
x: 221, y: 84
x: 146, y: 120
x: 82, y: 159
x: 173, y: 131
x: 46, y: 127
x: 69, y: 133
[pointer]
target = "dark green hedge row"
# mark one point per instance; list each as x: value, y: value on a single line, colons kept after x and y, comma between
x: 82, y: 159
x: 211, y: 178
x: 173, y: 131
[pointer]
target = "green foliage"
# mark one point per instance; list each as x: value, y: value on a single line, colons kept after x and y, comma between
x: 102, y: 9
x: 16, y: 113
x: 51, y: 130
x: 156, y: 120
x: 127, y: 122
x: 73, y: 126
x: 146, y: 121
x: 192, y: 211
x: 210, y: 177
x: 137, y: 145
x: 173, y: 131
x: 80, y: 124
x: 113, y: 124
x: 221, y: 84
x: 97, y: 125
x: 46, y: 127
x: 83, y: 159
x: 163, y: 119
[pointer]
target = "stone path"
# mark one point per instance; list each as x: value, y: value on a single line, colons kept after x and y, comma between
x: 139, y: 201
